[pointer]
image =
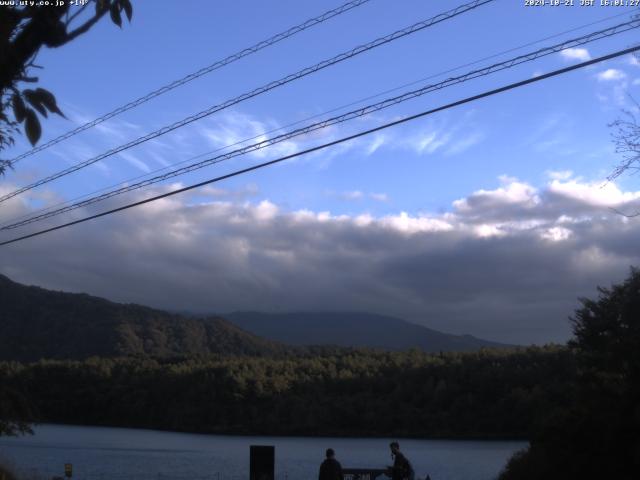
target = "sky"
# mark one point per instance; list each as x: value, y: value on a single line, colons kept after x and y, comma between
x: 490, y: 218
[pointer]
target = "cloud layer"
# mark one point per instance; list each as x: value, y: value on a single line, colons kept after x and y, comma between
x: 504, y: 264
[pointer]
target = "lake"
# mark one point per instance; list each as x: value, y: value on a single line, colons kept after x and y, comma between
x: 101, y: 453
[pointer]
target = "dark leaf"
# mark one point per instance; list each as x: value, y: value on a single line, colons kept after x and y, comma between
x: 115, y: 14
x: 36, y: 102
x: 32, y: 126
x: 101, y: 5
x: 48, y: 100
x: 128, y: 9
x: 19, y: 109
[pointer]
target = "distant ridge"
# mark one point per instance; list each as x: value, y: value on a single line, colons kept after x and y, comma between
x: 36, y: 323
x: 354, y: 330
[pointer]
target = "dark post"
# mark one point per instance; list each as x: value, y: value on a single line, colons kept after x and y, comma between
x: 262, y: 462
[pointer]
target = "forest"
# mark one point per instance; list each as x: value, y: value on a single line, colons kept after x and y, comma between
x: 326, y: 392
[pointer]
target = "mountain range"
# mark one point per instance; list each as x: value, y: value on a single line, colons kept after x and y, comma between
x: 37, y: 323
x: 353, y: 329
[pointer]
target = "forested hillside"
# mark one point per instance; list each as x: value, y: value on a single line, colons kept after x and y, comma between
x: 36, y: 323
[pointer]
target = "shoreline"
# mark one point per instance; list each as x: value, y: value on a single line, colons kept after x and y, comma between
x: 459, y: 438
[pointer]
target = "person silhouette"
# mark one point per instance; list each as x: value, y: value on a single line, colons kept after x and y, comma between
x: 401, y: 469
x: 330, y: 469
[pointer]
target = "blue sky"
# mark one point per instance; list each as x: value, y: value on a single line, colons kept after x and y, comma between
x: 166, y: 40
x: 544, y: 148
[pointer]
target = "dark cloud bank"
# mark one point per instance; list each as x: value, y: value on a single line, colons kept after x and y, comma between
x: 506, y: 264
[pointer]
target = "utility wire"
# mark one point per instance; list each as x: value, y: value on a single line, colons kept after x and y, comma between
x: 473, y: 98
x: 312, y: 22
x: 312, y: 117
x: 265, y: 88
x: 337, y: 120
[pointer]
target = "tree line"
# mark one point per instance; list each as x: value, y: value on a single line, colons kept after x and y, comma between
x: 333, y: 392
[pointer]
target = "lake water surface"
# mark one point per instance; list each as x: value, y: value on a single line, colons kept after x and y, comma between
x: 99, y: 453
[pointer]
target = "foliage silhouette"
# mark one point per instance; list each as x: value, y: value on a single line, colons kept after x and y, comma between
x: 24, y: 30
x: 599, y: 435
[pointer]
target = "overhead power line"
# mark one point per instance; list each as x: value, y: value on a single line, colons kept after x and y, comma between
x: 312, y: 22
x: 258, y: 91
x: 8, y: 223
x: 473, y: 98
x: 367, y: 110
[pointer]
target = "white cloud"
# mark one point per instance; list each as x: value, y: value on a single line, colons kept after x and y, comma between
x: 486, y: 230
x: 439, y: 137
x: 380, y: 197
x: 513, y: 192
x: 598, y: 194
x: 464, y: 144
x: 552, y: 132
x: 429, y: 142
x: 559, y: 174
x: 236, y: 130
x: 249, y: 190
x: 352, y: 195
x: 265, y: 211
x: 135, y: 161
x: 407, y: 224
x: 581, y: 54
x: 556, y: 234
x: 378, y: 141
x: 611, y: 74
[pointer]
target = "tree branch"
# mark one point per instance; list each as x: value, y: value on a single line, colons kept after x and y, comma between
x: 85, y: 26
x: 73, y: 17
